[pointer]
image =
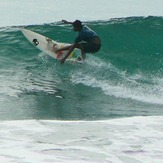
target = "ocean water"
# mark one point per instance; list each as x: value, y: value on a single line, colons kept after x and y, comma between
x: 109, y: 109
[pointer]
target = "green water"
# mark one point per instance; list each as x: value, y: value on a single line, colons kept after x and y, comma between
x: 123, y: 79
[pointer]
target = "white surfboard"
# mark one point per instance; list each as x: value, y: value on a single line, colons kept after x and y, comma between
x: 46, y: 44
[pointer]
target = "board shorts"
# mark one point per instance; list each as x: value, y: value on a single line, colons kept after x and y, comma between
x: 91, y: 47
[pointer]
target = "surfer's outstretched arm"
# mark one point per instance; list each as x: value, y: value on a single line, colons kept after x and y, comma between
x: 66, y: 22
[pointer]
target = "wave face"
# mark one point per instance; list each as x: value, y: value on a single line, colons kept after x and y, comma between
x: 123, y: 79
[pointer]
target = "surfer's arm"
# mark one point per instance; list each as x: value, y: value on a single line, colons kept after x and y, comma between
x: 66, y: 22
x: 68, y: 53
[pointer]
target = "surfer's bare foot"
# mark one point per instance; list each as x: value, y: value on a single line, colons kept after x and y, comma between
x: 79, y: 58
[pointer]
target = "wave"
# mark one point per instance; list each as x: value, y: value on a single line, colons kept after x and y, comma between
x: 129, y: 65
x: 130, y: 43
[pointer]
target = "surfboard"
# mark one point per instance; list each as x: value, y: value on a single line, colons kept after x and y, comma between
x: 46, y: 44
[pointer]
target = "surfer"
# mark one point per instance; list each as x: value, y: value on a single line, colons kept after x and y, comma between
x: 87, y: 40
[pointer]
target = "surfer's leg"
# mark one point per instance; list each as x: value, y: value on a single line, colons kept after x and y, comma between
x: 83, y: 54
x: 56, y: 50
x: 64, y: 48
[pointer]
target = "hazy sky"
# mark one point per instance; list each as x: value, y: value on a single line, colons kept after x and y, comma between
x: 23, y: 12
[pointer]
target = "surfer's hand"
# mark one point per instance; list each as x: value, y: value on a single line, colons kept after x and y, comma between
x: 62, y: 60
x: 64, y: 21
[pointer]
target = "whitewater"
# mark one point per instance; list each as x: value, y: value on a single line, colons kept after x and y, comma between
x: 110, y: 109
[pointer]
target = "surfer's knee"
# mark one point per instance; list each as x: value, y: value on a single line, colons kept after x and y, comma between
x: 78, y: 46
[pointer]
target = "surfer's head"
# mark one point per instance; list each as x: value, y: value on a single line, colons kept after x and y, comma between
x: 77, y: 25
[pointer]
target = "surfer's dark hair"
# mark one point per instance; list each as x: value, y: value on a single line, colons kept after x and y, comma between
x: 77, y: 23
